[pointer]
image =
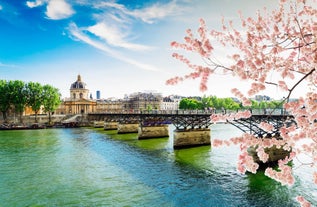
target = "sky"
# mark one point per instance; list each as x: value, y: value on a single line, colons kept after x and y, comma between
x: 117, y: 46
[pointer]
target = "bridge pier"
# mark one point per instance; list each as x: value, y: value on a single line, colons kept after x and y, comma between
x: 98, y: 124
x: 145, y: 132
x: 124, y: 128
x: 191, y: 137
x: 110, y: 125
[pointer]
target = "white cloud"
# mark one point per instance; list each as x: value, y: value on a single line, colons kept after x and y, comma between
x: 77, y: 33
x: 114, y: 35
x: 146, y: 14
x: 58, y: 9
x: 157, y: 11
x: 7, y: 65
x: 116, y: 23
x: 55, y: 9
x: 33, y: 4
x: 110, y: 5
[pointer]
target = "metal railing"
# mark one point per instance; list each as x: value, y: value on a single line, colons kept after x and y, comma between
x: 277, y: 111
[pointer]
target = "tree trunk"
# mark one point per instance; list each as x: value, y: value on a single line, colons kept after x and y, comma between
x: 49, y: 118
x: 20, y: 115
x: 4, y: 115
x: 35, y: 117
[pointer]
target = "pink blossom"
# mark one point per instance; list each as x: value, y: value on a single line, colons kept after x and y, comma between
x: 284, y: 175
x: 303, y: 202
x: 263, y: 156
x: 266, y: 126
x: 217, y: 142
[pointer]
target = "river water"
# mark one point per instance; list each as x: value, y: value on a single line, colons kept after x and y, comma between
x: 93, y: 167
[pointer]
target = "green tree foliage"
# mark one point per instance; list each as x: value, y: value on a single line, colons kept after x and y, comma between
x: 229, y: 103
x: 4, y: 100
x: 188, y: 103
x: 216, y: 102
x: 35, y: 97
x: 50, y: 99
x: 223, y: 104
x: 206, y: 102
x: 255, y: 104
x: 18, y: 95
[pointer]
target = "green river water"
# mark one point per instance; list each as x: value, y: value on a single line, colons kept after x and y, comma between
x: 93, y: 167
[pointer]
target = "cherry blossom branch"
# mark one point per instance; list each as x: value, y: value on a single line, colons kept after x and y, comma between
x: 301, y: 31
x: 294, y: 86
x: 303, y: 163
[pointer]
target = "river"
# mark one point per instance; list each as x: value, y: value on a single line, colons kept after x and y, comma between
x: 93, y: 167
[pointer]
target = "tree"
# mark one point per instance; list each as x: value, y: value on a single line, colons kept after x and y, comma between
x: 50, y: 100
x: 280, y: 43
x: 263, y: 105
x: 18, y: 95
x: 149, y: 107
x: 5, y: 101
x: 275, y: 104
x: 216, y: 102
x: 35, y: 97
x: 188, y: 103
x: 254, y: 104
x: 206, y: 102
x: 230, y: 104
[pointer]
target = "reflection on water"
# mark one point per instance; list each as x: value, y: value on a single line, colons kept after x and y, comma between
x: 93, y: 167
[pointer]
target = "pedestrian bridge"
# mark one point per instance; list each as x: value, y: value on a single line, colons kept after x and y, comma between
x: 198, y: 119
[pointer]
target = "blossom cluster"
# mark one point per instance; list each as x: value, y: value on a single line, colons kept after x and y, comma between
x: 303, y: 201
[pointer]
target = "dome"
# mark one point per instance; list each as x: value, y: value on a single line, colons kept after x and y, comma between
x: 78, y: 84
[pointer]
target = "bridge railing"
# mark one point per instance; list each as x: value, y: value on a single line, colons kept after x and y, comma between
x: 180, y: 111
x: 279, y: 111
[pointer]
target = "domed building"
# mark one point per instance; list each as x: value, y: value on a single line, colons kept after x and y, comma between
x: 78, y: 103
x: 78, y: 89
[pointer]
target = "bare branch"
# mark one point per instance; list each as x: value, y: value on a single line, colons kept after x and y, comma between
x: 296, y: 84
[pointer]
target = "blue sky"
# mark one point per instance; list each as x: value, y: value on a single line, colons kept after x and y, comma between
x: 118, y: 47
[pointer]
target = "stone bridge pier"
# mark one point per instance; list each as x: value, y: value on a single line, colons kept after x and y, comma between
x: 191, y: 130
x: 128, y: 124
x: 145, y: 132
x: 191, y: 137
x: 110, y: 125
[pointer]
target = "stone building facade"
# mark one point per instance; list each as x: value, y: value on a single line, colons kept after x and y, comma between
x: 171, y: 102
x: 142, y: 101
x: 78, y: 102
x: 109, y: 105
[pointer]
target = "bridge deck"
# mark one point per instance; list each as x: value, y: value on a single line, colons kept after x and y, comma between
x: 193, y: 119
